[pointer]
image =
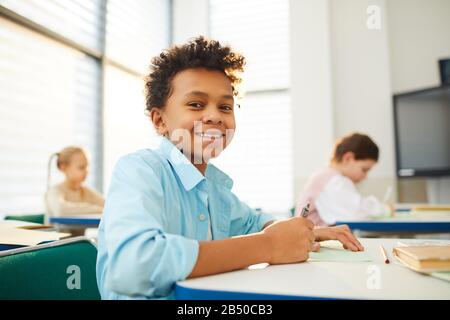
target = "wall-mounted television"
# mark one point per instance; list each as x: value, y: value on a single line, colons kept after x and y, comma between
x: 422, y: 132
x: 444, y: 71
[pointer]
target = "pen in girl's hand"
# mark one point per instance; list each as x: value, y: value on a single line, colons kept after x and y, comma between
x: 305, y: 211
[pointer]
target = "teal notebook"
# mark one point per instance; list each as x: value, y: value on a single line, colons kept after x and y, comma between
x: 333, y: 251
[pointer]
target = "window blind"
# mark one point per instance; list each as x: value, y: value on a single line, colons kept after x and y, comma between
x: 77, y: 20
x: 126, y: 128
x: 51, y: 94
x: 136, y: 31
x: 48, y: 100
x: 260, y: 30
x: 260, y: 158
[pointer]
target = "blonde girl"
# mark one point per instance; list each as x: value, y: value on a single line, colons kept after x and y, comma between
x: 71, y: 197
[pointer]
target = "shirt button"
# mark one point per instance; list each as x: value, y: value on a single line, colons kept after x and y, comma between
x: 202, y: 217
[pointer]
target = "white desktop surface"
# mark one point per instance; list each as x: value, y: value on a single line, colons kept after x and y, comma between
x: 341, y: 280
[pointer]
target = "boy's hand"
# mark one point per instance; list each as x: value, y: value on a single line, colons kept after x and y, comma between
x: 341, y: 233
x: 289, y: 240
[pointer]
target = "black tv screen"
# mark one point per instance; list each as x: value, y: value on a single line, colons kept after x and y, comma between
x: 444, y: 68
x: 422, y: 132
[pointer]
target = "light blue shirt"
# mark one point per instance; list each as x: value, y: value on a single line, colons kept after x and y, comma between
x: 158, y: 208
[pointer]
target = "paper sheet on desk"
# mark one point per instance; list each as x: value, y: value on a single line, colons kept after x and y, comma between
x: 22, y: 237
x: 17, y: 224
x: 441, y: 275
x: 333, y: 251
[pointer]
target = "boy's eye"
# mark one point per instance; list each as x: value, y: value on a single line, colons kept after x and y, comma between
x: 195, y: 104
x: 226, y: 107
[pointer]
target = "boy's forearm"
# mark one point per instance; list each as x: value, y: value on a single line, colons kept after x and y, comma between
x: 231, y: 254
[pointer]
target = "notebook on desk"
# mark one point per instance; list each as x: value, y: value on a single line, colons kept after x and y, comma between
x: 436, y: 207
x: 432, y: 211
x: 12, y: 238
x: 441, y: 275
x: 25, y: 225
x: 333, y: 251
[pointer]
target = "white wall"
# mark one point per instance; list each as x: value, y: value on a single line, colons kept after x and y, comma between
x: 311, y: 90
x: 340, y: 84
x: 361, y: 84
x: 419, y: 35
x: 190, y: 19
x: 343, y: 74
x: 367, y: 68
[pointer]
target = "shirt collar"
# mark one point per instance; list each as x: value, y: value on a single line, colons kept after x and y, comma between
x: 218, y: 176
x: 189, y: 175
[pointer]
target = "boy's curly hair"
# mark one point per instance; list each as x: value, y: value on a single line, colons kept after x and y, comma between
x: 197, y: 53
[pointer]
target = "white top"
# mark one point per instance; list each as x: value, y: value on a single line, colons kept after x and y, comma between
x: 340, y: 200
x: 348, y: 280
x: 61, y: 201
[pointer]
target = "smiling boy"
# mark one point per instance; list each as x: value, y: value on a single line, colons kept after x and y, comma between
x: 170, y: 214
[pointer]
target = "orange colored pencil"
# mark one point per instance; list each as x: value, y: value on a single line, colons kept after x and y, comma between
x: 383, y: 252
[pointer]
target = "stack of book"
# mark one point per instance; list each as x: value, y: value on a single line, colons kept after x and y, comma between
x: 431, y: 211
x: 433, y: 259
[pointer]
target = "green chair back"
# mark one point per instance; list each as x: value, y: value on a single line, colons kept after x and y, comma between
x: 292, y: 211
x: 60, y: 270
x: 36, y: 218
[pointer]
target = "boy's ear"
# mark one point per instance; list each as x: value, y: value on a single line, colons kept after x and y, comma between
x: 348, y: 156
x: 156, y: 116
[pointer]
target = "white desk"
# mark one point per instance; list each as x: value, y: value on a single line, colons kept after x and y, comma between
x: 320, y: 280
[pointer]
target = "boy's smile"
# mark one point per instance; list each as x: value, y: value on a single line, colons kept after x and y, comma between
x: 199, y: 114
